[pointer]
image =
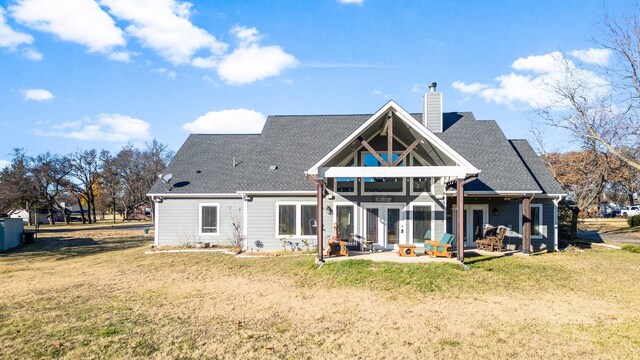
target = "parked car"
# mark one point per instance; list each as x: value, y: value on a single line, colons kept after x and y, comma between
x: 630, y: 211
x: 613, y: 213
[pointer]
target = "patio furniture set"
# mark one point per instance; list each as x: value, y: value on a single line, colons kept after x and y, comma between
x: 492, y: 240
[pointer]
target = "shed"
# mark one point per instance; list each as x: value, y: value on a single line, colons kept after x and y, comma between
x: 10, y: 233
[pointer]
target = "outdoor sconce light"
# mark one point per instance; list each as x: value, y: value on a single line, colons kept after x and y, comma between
x: 329, y: 210
x: 495, y: 211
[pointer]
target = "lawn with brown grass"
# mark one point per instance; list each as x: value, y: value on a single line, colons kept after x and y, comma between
x: 95, y: 294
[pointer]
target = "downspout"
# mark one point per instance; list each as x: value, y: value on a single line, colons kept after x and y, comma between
x: 320, y: 213
x: 156, y: 220
x: 556, y: 201
x: 245, y: 220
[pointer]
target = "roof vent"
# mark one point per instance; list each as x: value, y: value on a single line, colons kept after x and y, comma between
x: 432, y: 109
x: 273, y: 167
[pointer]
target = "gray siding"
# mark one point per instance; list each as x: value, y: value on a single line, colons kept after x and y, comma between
x: 509, y: 215
x: 178, y: 221
x: 433, y: 111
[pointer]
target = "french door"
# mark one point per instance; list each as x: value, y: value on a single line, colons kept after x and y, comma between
x: 384, y: 224
x: 475, y: 217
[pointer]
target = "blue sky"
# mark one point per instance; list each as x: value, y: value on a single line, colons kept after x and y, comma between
x: 78, y: 74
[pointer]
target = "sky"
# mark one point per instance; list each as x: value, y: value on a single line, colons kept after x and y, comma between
x: 80, y: 74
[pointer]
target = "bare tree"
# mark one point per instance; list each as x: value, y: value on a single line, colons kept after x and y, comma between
x: 49, y: 173
x: 583, y: 174
x: 84, y: 169
x: 603, y: 112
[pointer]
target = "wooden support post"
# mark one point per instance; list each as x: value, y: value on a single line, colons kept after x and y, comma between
x: 372, y: 151
x: 390, y: 139
x: 460, y: 224
x: 406, y: 152
x: 319, y: 231
x: 526, y: 225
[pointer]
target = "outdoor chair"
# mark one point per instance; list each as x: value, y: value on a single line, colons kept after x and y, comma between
x: 439, y: 248
x: 492, y: 243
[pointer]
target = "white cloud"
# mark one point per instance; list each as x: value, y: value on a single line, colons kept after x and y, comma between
x: 246, y: 35
x: 164, y: 26
x: 169, y: 73
x: 468, y: 88
x: 32, y: 54
x: 533, y: 82
x: 593, y: 56
x: 38, y: 95
x: 10, y: 38
x: 4, y: 164
x: 79, y: 21
x: 108, y: 127
x: 251, y: 62
x: 122, y: 56
x: 233, y: 121
x: 351, y: 1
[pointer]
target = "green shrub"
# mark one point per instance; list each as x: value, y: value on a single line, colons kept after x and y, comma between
x: 631, y: 248
x: 634, y: 221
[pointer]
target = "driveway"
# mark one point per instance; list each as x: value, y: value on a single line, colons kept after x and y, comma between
x: 608, y: 238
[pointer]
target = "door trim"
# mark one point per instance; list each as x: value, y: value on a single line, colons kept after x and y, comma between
x: 469, y: 215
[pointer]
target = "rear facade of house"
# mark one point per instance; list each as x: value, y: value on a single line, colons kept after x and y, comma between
x: 389, y: 177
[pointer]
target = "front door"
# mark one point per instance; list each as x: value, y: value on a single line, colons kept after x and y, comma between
x: 475, y: 217
x: 384, y: 224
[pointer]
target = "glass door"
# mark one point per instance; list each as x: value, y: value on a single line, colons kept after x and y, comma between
x: 384, y: 224
x: 475, y: 217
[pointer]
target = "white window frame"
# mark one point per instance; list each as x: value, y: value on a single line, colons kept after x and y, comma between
x: 355, y: 179
x: 298, y: 205
x: 540, y: 223
x: 433, y: 219
x: 200, y: 206
x: 362, y: 182
x: 355, y: 215
x: 433, y: 182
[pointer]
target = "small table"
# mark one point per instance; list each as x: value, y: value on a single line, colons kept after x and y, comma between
x: 367, y: 245
x: 406, y: 250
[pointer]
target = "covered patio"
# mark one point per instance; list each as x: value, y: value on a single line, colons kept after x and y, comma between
x: 392, y: 256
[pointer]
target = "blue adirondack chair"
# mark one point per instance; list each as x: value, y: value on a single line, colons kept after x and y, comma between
x: 438, y: 248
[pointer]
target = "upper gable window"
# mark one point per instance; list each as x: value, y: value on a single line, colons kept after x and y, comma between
x: 371, y: 185
x: 346, y: 185
x: 420, y: 185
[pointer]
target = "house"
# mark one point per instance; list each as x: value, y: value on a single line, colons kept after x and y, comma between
x: 386, y: 177
x: 25, y: 215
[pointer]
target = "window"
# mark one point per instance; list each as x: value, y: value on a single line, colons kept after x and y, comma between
x: 536, y: 220
x: 296, y: 219
x: 209, y: 219
x: 422, y: 216
x: 537, y: 230
x: 287, y: 220
x: 308, y: 219
x: 420, y: 185
x: 346, y: 185
x: 373, y: 185
x: 345, y: 218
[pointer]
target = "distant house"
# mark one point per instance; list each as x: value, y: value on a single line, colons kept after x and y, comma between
x: 139, y: 211
x: 387, y: 177
x: 24, y: 215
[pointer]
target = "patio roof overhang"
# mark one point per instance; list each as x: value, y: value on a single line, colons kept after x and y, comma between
x: 451, y: 164
x: 457, y: 172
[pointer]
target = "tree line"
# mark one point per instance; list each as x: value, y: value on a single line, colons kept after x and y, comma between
x: 97, y: 181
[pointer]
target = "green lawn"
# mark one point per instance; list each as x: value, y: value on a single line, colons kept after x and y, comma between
x: 95, y: 294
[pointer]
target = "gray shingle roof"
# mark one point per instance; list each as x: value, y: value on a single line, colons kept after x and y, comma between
x: 537, y: 167
x: 484, y: 145
x: 204, y: 163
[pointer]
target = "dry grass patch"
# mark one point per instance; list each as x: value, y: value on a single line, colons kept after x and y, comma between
x: 94, y: 294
